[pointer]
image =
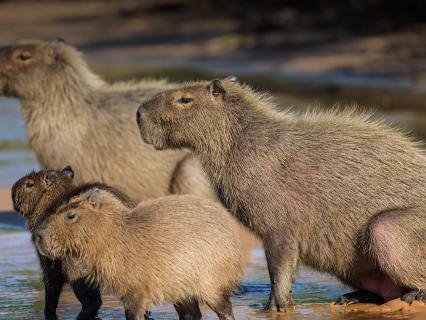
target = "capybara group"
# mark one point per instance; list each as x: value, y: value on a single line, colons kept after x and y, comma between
x: 75, y: 117
x: 335, y: 190
x: 178, y: 249
x: 32, y: 196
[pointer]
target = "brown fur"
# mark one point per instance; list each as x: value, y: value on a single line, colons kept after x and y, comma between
x: 308, y: 186
x: 172, y: 249
x: 34, y: 193
x: 32, y: 196
x: 74, y: 117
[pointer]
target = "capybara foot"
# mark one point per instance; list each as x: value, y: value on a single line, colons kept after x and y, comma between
x: 269, y: 306
x: 147, y: 316
x: 360, y: 296
x: 272, y: 306
x: 51, y: 317
x: 411, y: 296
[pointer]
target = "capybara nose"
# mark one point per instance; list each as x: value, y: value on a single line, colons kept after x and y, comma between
x: 38, y: 238
x: 138, y: 115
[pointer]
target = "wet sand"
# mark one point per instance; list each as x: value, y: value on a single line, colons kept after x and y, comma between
x: 5, y: 199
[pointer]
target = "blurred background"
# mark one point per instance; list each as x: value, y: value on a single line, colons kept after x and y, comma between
x: 307, y: 53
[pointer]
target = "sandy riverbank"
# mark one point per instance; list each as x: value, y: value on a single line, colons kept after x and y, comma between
x: 5, y: 199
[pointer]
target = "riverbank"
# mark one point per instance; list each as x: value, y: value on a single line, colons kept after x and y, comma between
x: 191, y: 34
x: 5, y: 199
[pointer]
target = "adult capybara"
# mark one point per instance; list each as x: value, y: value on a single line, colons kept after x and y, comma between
x: 337, y: 191
x: 32, y: 195
x: 74, y: 117
x: 178, y: 249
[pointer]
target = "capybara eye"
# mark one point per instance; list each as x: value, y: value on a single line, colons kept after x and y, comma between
x: 71, y: 216
x: 185, y: 100
x: 23, y: 56
x: 29, y: 184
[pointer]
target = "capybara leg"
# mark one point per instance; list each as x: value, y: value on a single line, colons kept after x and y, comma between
x: 136, y: 314
x: 136, y: 308
x: 413, y: 295
x: 52, y: 290
x: 223, y: 308
x: 53, y: 280
x: 89, y: 297
x: 360, y: 296
x: 396, y: 241
x: 188, y: 310
x: 189, y: 178
x: 282, y: 260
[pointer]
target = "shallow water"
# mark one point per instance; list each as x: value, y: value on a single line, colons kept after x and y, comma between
x: 16, y: 157
x: 21, y: 292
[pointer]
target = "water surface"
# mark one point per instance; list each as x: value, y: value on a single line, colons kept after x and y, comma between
x: 16, y: 157
x: 21, y: 291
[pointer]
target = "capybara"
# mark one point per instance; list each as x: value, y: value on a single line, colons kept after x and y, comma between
x: 336, y: 190
x: 178, y: 249
x: 75, y: 117
x: 32, y: 195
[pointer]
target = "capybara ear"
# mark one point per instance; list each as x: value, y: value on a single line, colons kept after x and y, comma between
x: 95, y: 198
x: 51, y: 51
x: 216, y: 88
x: 50, y: 177
x: 69, y: 172
x: 61, y: 39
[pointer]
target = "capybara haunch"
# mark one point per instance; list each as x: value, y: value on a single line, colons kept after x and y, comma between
x: 337, y: 191
x: 178, y: 249
x: 74, y: 117
x: 32, y: 196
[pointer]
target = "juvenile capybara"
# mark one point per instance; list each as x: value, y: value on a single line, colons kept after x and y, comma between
x: 75, y: 117
x: 338, y: 191
x: 178, y: 249
x: 32, y: 195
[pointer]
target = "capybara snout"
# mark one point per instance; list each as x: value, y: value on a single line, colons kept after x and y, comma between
x: 147, y: 122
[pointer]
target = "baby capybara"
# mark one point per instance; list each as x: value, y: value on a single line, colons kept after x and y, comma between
x: 32, y: 195
x: 336, y: 190
x: 178, y: 249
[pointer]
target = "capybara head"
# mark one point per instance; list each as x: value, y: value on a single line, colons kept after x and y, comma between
x: 37, y: 190
x: 172, y: 119
x: 81, y: 223
x: 28, y: 67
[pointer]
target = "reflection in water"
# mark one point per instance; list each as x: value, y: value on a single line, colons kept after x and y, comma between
x: 21, y: 293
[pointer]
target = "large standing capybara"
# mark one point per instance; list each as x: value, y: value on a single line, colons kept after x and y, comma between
x: 178, y: 249
x: 74, y: 117
x: 337, y: 191
x: 32, y: 195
